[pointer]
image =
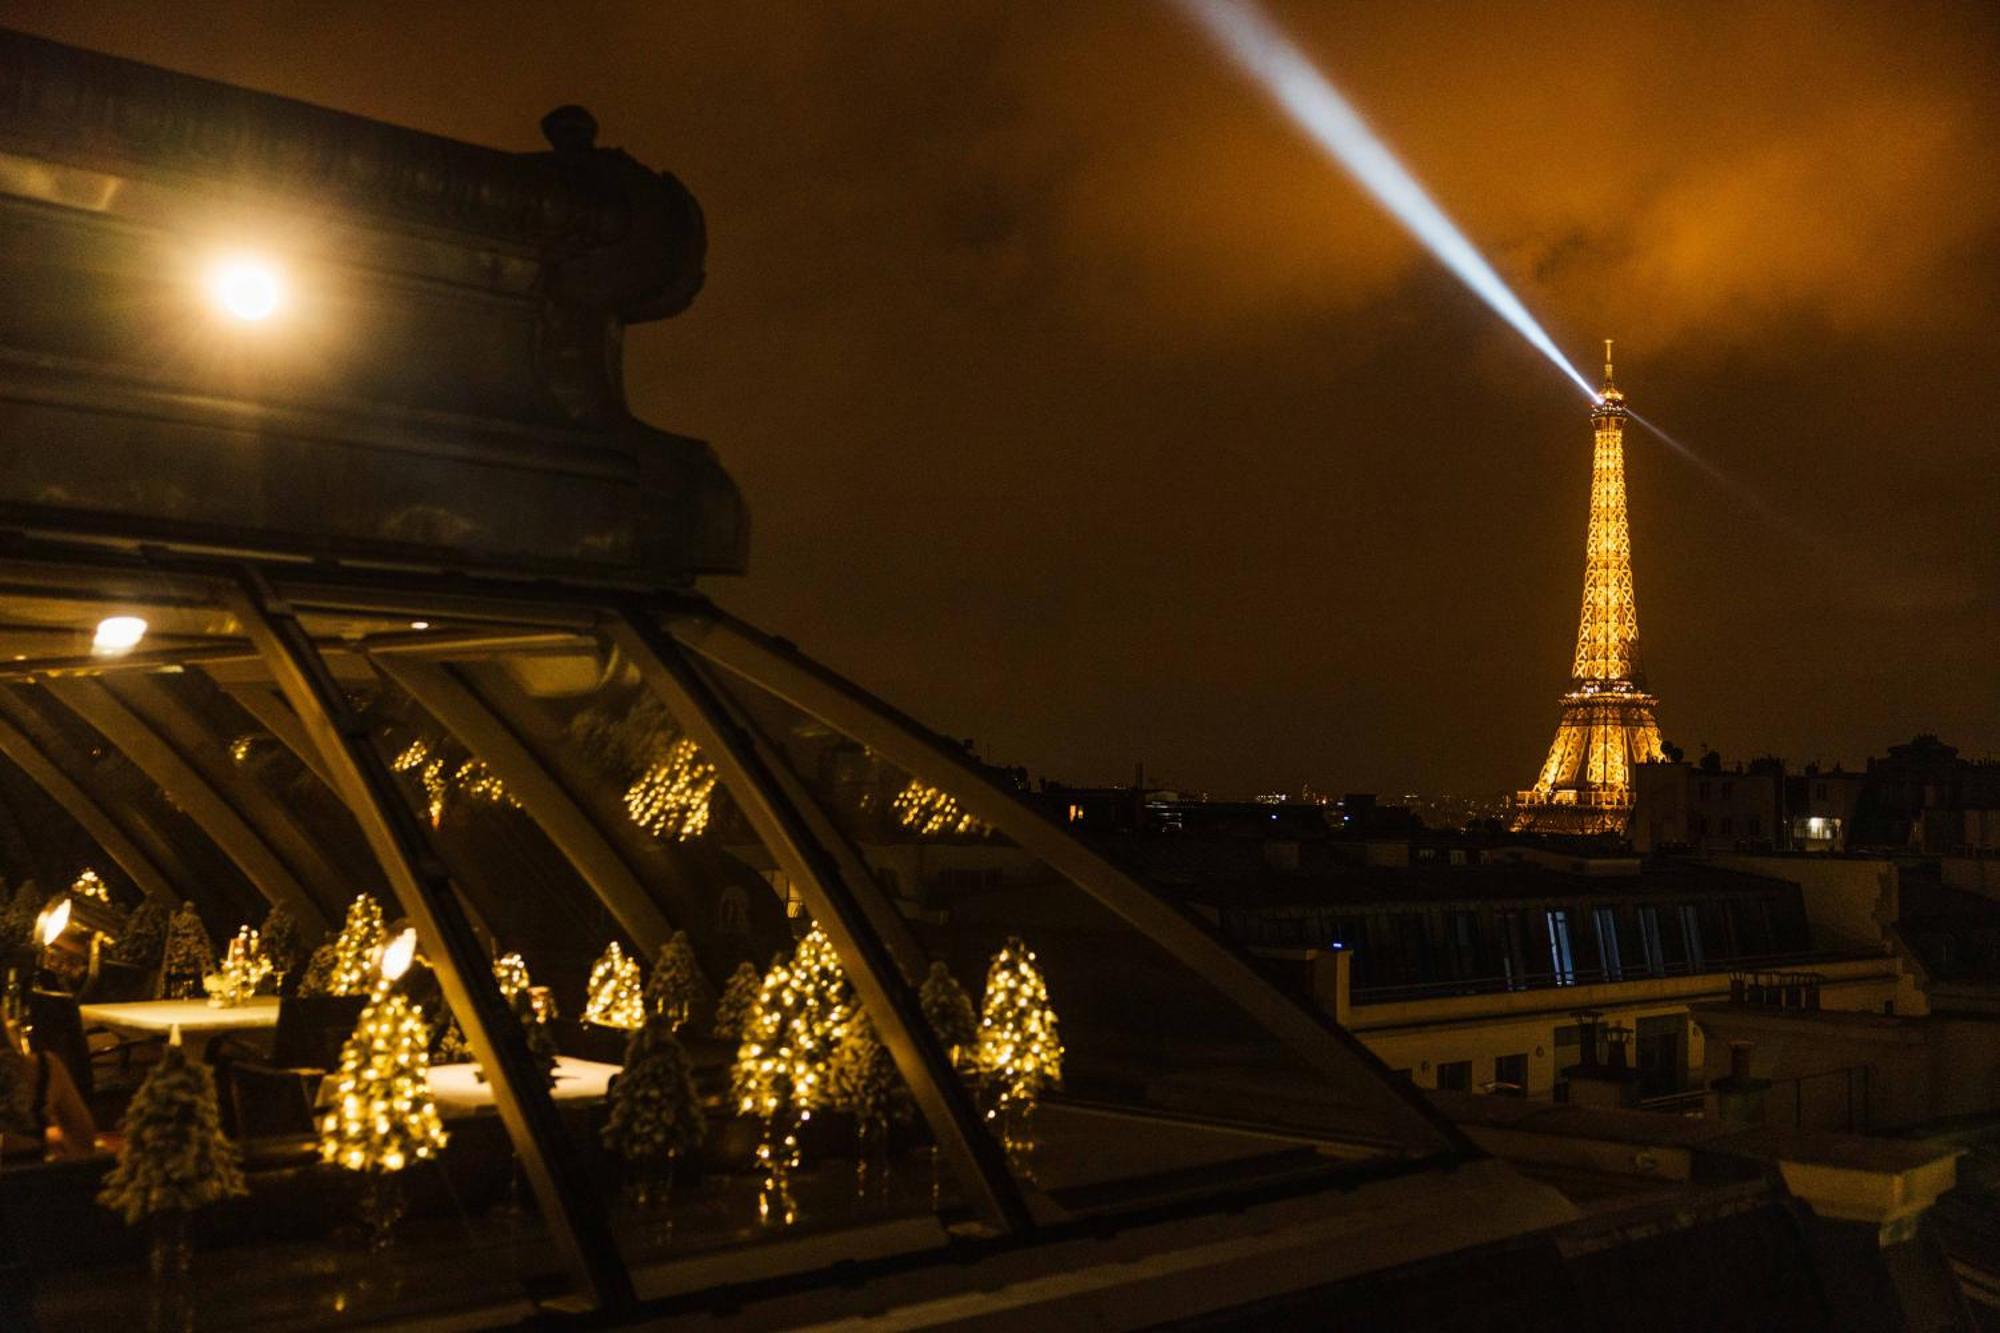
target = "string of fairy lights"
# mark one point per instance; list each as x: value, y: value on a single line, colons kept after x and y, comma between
x: 671, y: 799
x: 804, y: 1045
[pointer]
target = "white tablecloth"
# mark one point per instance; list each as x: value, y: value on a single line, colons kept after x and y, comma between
x: 458, y: 1090
x: 158, y: 1017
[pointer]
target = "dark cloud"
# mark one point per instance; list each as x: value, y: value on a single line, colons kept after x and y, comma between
x: 1085, y: 410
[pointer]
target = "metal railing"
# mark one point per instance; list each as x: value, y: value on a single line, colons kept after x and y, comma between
x: 1595, y: 976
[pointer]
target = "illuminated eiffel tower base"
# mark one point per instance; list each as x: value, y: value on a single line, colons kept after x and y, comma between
x: 1607, y: 720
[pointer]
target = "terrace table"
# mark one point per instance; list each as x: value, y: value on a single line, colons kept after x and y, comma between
x: 198, y: 1021
x: 458, y: 1090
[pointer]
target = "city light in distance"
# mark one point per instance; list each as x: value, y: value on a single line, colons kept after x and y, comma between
x: 246, y: 287
x: 118, y: 634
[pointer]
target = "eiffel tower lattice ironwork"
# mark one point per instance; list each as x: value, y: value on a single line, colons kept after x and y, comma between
x: 1607, y: 717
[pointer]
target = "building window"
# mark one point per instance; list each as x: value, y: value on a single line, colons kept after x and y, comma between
x: 1649, y: 940
x: 1464, y: 945
x: 1727, y: 788
x: 1510, y: 1075
x: 1605, y: 919
x: 1455, y: 1076
x: 1691, y: 938
x: 1512, y: 958
x: 1560, y: 961
x: 1701, y: 791
x: 1725, y: 825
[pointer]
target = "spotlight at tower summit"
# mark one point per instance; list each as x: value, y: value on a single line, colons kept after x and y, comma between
x: 1296, y: 84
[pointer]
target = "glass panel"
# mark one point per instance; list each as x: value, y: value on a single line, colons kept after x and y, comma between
x: 656, y: 832
x: 1167, y: 1087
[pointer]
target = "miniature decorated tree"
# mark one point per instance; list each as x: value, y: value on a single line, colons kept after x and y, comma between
x: 867, y: 1085
x: 143, y: 941
x: 656, y: 1116
x: 317, y: 979
x: 738, y: 998
x: 357, y: 951
x: 614, y: 998
x: 382, y: 1117
x: 676, y: 981
x: 1019, y: 1053
x: 781, y: 1074
x: 189, y: 955
x: 17, y: 917
x: 282, y: 944
x: 174, y: 1160
x: 510, y: 970
x: 948, y: 1009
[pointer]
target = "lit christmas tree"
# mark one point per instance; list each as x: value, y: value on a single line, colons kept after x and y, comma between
x: 866, y: 1084
x: 928, y: 812
x: 739, y: 997
x: 382, y: 1117
x: 445, y: 778
x: 948, y: 1009
x: 1019, y: 1053
x: 88, y: 885
x: 670, y: 799
x: 511, y: 971
x: 174, y: 1160
x: 781, y: 1074
x: 614, y: 997
x: 357, y: 951
x: 189, y: 955
x: 676, y: 981
x: 282, y: 944
x: 655, y: 1116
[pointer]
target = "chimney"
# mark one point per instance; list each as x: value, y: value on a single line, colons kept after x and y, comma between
x: 1738, y: 1098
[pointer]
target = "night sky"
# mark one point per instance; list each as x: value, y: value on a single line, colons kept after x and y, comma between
x: 1083, y: 409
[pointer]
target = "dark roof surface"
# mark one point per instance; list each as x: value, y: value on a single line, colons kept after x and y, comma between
x: 1239, y: 873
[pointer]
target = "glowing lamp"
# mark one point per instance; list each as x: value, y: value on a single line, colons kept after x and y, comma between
x: 246, y: 288
x: 396, y: 958
x: 53, y: 921
x: 118, y: 634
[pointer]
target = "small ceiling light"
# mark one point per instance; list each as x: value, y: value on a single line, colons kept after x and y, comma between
x: 118, y: 634
x: 246, y: 288
x: 420, y: 624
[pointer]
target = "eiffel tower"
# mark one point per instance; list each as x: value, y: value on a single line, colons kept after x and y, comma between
x: 1607, y: 716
